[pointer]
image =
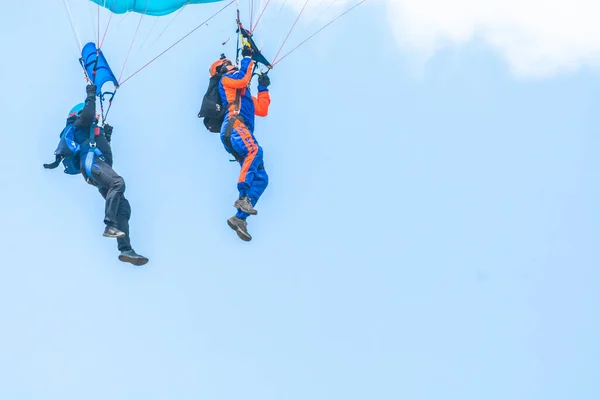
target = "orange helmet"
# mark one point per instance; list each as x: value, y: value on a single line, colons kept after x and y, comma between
x: 217, y: 66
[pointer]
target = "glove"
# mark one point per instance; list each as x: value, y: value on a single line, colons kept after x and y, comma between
x: 247, y: 51
x: 108, y: 129
x: 263, y: 80
x: 91, y: 90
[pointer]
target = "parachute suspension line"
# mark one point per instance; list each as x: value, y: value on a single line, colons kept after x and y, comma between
x: 123, y: 18
x: 237, y: 7
x: 331, y: 5
x: 102, y: 110
x: 237, y: 50
x: 168, y: 25
x: 261, y: 4
x: 260, y: 16
x: 101, y: 96
x: 280, y: 9
x: 239, y: 35
x: 105, y: 31
x: 107, y: 25
x: 105, y: 116
x: 133, y: 41
x: 310, y: 17
x: 314, y: 34
x: 147, y: 37
x: 320, y: 14
x: 98, y: 42
x: 73, y: 28
x: 92, y: 23
x: 291, y: 29
x: 177, y: 42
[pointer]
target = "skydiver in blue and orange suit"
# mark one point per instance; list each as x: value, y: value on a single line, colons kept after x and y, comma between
x: 237, y: 134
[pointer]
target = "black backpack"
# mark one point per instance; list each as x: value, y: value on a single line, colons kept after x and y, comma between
x: 212, y: 109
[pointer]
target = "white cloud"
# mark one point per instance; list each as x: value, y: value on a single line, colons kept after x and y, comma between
x: 538, y: 38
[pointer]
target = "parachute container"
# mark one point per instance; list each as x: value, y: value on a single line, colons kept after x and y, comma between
x: 93, y: 59
x: 149, y: 7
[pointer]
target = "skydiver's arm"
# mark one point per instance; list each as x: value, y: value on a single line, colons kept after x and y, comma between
x: 240, y: 79
x: 261, y: 103
x: 87, y: 115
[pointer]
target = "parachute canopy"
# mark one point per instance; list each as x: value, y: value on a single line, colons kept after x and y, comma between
x: 149, y: 7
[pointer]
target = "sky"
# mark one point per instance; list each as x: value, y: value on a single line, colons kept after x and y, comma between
x: 429, y: 231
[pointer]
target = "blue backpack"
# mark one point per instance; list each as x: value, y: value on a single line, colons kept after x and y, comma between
x: 67, y: 151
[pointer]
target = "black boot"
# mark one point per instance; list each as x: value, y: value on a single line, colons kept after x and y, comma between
x: 239, y: 225
x: 244, y: 204
x: 132, y: 257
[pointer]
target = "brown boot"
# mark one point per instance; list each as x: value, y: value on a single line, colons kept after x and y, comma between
x: 239, y: 225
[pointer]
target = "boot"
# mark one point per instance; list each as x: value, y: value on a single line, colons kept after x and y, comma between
x: 112, y: 232
x: 244, y: 204
x: 132, y: 257
x: 239, y: 225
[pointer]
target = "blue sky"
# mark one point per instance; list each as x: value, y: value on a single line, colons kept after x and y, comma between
x: 428, y: 233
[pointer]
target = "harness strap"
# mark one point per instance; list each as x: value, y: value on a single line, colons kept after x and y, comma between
x: 89, y: 161
x: 237, y: 101
x: 92, y: 153
x: 227, y: 136
x: 231, y: 122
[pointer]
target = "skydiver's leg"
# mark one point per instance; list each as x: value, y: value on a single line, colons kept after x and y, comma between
x: 244, y: 144
x: 258, y: 186
x: 124, y: 243
x: 105, y: 177
x: 123, y: 216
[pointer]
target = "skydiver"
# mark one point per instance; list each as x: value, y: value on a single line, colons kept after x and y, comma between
x: 237, y: 134
x: 110, y: 185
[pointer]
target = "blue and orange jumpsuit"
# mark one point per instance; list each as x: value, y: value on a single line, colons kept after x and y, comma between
x: 237, y: 131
